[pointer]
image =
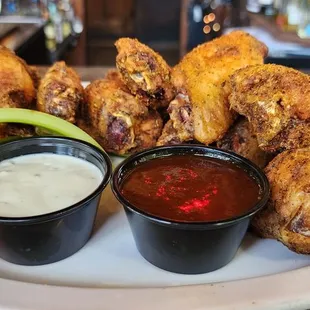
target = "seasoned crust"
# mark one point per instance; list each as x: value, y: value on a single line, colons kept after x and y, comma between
x: 60, y: 92
x: 17, y: 87
x: 240, y: 139
x: 121, y: 122
x: 287, y: 217
x: 276, y: 101
x: 201, y: 75
x: 145, y: 72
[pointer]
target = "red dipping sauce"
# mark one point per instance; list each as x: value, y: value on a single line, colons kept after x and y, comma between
x: 190, y: 189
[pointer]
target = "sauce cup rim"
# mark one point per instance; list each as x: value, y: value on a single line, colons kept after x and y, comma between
x: 260, y: 179
x: 46, y: 217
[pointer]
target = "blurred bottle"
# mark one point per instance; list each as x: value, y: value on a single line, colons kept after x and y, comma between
x: 282, y: 16
x: 49, y: 29
x: 64, y: 7
x: 294, y: 15
x: 267, y: 8
x: 57, y: 20
x: 10, y: 7
x: 29, y: 7
x: 303, y: 30
x: 253, y: 6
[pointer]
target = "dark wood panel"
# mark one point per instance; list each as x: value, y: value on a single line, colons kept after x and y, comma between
x: 77, y: 56
x: 157, y: 20
x: 109, y: 17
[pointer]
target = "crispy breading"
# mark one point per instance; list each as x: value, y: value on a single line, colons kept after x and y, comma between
x: 240, y: 139
x: 169, y: 135
x: 122, y: 122
x: 145, y: 72
x: 201, y: 74
x: 17, y: 87
x: 16, y: 130
x: 287, y: 217
x: 181, y: 117
x: 60, y: 92
x: 276, y: 101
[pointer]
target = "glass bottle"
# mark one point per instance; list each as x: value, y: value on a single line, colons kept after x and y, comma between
x: 303, y: 30
x: 282, y: 16
x: 294, y: 15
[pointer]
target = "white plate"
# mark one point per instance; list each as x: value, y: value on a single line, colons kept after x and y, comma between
x: 109, y: 273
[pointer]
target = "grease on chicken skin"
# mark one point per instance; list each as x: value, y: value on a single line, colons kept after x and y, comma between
x: 201, y: 75
x: 276, y: 101
x: 145, y: 72
x: 287, y: 216
x: 122, y: 122
x: 60, y: 92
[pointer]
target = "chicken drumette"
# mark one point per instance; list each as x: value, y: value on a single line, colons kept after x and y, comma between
x: 119, y: 121
x: 60, y: 92
x: 287, y: 215
x: 18, y: 83
x: 145, y: 73
x: 199, y: 78
x: 276, y: 101
x: 17, y: 86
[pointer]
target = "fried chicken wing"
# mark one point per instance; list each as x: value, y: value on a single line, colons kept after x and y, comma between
x: 276, y: 101
x: 121, y: 121
x: 145, y: 72
x: 147, y: 130
x: 60, y: 92
x: 241, y: 140
x: 181, y: 117
x: 287, y: 217
x: 35, y: 76
x: 169, y: 135
x: 201, y: 74
x: 17, y: 87
x: 16, y: 130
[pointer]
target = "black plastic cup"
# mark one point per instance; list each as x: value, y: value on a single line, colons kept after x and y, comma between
x: 187, y: 248
x: 48, y: 238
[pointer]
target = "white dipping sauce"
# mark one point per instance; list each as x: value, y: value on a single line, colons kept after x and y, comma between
x: 43, y: 183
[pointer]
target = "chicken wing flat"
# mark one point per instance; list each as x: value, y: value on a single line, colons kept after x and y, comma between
x: 241, y: 140
x: 287, y: 217
x: 123, y: 123
x: 145, y: 72
x: 201, y: 74
x: 276, y: 101
x: 60, y: 92
x: 17, y: 87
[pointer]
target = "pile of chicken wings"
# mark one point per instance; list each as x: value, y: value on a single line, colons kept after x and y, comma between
x: 221, y: 94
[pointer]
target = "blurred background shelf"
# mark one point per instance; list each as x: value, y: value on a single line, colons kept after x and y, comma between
x: 258, y: 20
x: 83, y: 32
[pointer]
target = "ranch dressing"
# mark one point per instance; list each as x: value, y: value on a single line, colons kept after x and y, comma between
x: 43, y: 183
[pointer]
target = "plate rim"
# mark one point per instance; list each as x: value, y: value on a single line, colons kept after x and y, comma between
x: 287, y: 290
x: 263, y: 292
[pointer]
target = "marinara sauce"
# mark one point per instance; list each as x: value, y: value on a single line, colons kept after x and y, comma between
x: 190, y: 188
